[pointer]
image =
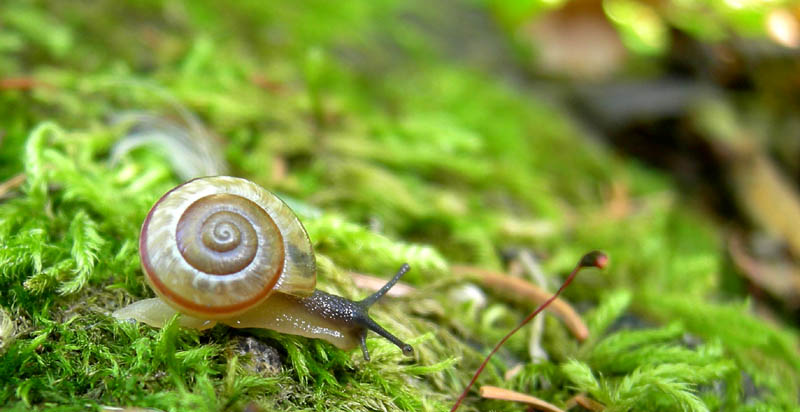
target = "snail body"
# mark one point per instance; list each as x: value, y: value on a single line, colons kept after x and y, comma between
x: 223, y: 249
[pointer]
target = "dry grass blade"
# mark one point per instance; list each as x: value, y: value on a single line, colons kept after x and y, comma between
x: 524, y: 291
x: 781, y: 279
x: 12, y: 184
x: 766, y: 194
x: 20, y: 83
x: 585, y: 402
x: 373, y: 283
x: 493, y: 392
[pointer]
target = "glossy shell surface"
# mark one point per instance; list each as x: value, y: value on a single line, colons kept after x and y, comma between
x: 215, y: 247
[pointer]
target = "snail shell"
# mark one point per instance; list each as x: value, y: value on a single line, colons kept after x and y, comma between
x: 215, y: 247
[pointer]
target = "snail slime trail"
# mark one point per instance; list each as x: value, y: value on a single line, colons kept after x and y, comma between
x: 591, y: 259
x: 224, y: 249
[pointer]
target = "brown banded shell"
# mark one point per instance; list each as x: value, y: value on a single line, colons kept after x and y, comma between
x: 215, y: 247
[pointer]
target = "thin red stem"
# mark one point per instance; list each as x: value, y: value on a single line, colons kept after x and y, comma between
x: 596, y: 259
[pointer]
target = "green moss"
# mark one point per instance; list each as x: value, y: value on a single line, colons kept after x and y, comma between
x: 390, y: 152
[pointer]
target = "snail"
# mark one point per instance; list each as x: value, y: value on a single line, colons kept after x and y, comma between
x: 223, y: 249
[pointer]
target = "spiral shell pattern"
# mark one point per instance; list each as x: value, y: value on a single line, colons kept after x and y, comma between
x: 215, y: 247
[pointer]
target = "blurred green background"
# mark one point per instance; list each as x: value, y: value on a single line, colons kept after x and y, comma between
x: 508, y: 136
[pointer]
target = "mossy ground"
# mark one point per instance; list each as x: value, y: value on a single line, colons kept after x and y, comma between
x: 392, y: 151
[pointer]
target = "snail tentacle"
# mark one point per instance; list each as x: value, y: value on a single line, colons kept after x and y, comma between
x: 362, y: 341
x: 368, y: 301
x: 368, y: 324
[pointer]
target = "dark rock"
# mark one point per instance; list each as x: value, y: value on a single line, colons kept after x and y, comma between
x: 257, y: 356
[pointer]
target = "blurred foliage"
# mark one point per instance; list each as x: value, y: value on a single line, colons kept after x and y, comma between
x: 391, y: 151
x: 643, y: 24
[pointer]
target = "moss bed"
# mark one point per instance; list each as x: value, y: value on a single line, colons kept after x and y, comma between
x: 391, y: 150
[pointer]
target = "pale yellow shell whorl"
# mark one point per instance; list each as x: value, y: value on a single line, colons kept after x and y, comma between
x: 214, y: 247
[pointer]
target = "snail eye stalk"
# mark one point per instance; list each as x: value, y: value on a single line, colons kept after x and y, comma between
x: 371, y: 299
x: 370, y: 324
